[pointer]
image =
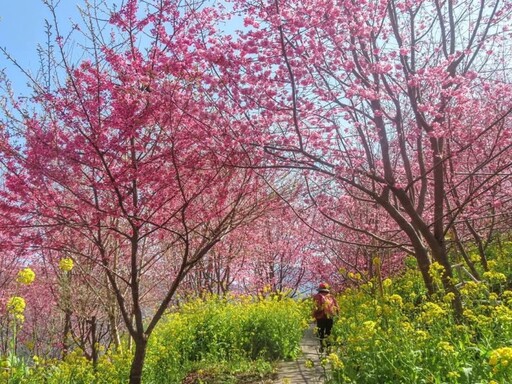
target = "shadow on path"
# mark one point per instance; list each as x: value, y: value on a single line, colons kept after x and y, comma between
x: 297, y: 372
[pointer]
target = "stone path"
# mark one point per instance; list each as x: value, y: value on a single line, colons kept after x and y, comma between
x: 297, y: 372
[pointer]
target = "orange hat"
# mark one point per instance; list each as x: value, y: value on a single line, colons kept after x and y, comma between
x: 323, y: 287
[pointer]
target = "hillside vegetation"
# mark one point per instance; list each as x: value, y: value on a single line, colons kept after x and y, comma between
x: 208, y: 340
x: 391, y: 332
x: 388, y: 331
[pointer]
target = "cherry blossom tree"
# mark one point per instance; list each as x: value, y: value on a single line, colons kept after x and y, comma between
x: 356, y: 237
x: 280, y: 255
x: 485, y: 218
x: 126, y: 164
x: 274, y: 253
x: 376, y: 100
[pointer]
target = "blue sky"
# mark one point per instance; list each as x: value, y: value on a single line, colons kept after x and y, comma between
x: 22, y: 28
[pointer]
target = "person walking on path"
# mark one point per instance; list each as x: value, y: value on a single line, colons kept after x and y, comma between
x: 325, y: 308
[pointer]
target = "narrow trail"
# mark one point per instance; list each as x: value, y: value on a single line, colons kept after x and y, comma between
x: 299, y: 371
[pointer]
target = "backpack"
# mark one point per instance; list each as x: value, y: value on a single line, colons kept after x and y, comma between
x: 325, y: 306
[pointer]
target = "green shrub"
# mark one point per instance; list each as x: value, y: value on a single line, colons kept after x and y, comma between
x: 225, y: 331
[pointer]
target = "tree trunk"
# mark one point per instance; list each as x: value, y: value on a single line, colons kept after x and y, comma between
x: 438, y: 244
x: 116, y: 338
x: 112, y: 308
x: 441, y: 256
x: 450, y: 287
x: 66, y: 332
x: 423, y: 260
x: 141, y: 343
x: 94, y: 343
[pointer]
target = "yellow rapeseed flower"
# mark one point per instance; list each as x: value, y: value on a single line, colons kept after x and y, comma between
x: 445, y: 347
x: 473, y: 289
x: 483, y: 320
x: 396, y: 299
x: 368, y: 285
x: 431, y: 312
x: 453, y: 375
x: 335, y: 361
x: 26, y: 276
x: 500, y: 358
x: 436, y: 271
x: 406, y: 326
x: 435, y: 267
x: 503, y: 314
x: 422, y: 335
x: 66, y: 264
x: 369, y: 328
x: 449, y: 297
x: 16, y: 305
x: 495, y: 277
x: 470, y: 315
x: 507, y: 298
x: 474, y: 257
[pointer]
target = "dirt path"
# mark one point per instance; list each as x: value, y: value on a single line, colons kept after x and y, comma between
x: 297, y: 372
